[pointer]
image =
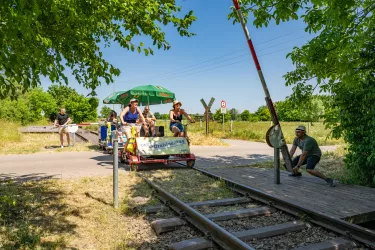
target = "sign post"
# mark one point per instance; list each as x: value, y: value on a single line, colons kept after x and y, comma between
x: 223, y: 105
x: 115, y: 171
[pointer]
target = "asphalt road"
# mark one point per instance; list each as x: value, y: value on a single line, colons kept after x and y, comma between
x: 79, y: 164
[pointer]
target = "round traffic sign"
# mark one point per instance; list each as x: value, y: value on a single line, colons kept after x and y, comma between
x: 223, y: 104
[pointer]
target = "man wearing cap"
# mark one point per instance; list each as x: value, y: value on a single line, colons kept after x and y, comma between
x: 310, y: 156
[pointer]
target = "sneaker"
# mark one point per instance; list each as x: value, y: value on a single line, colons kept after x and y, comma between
x: 330, y: 182
x: 62, y: 146
x: 296, y: 175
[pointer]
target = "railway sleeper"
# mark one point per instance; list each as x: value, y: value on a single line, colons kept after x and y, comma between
x: 257, y: 233
x: 210, y: 203
x: 166, y: 225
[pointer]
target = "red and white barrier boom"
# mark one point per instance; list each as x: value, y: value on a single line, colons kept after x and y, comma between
x: 275, y: 120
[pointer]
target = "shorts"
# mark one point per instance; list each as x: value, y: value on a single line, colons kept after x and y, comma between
x: 310, y: 161
x: 63, y: 130
x: 128, y: 127
x: 178, y: 125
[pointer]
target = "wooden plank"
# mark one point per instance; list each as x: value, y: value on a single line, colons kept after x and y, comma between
x: 335, y: 244
x: 341, y: 189
x: 345, y: 205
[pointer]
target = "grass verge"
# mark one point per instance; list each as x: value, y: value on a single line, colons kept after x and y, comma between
x: 190, y: 185
x: 78, y: 214
x: 27, y: 143
x: 72, y: 214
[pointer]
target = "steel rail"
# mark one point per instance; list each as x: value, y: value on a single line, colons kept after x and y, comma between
x: 218, y: 234
x: 350, y: 230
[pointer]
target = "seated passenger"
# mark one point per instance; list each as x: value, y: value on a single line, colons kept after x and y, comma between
x: 150, y: 119
x: 129, y: 117
x: 175, y: 115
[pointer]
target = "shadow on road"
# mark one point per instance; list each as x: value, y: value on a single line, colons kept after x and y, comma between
x: 27, y: 177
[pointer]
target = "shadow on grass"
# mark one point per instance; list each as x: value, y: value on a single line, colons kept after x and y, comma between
x: 30, y: 212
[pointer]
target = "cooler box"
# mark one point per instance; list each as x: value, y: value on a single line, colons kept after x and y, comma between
x: 103, y: 131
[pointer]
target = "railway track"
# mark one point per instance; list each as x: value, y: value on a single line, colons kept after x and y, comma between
x: 250, y: 221
x: 87, y: 136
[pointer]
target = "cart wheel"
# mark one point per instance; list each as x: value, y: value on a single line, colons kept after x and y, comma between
x: 190, y: 163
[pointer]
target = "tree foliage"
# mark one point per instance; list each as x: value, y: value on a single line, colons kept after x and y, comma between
x: 245, y: 115
x: 263, y: 114
x: 105, y: 111
x: 29, y: 106
x: 44, y: 38
x: 311, y: 110
x: 340, y: 60
x: 218, y: 116
x: 157, y: 115
x: 235, y: 114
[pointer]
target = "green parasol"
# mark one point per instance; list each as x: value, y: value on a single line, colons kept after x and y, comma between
x: 146, y: 94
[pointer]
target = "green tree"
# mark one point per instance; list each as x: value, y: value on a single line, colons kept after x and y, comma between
x: 218, y: 116
x: 263, y: 114
x: 157, y: 115
x: 340, y: 60
x: 235, y: 114
x: 245, y: 115
x: 61, y: 93
x: 164, y: 116
x: 79, y: 109
x: 105, y: 111
x: 44, y: 38
x: 27, y: 108
x: 39, y: 101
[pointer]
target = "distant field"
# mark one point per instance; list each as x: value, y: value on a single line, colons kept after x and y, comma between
x: 256, y: 131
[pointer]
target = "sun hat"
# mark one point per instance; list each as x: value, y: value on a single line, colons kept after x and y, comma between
x: 176, y: 102
x: 301, y: 128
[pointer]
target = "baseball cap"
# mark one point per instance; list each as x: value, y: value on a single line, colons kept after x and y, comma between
x: 133, y: 100
x: 301, y: 128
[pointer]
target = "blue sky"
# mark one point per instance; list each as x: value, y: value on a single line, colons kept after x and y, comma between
x: 232, y: 77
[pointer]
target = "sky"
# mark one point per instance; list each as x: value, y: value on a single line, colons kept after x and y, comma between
x: 214, y: 63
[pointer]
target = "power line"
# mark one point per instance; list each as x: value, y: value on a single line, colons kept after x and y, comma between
x: 246, y: 54
x: 200, y: 63
x: 226, y: 65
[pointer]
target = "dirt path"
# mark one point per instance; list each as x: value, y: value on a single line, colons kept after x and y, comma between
x: 80, y: 164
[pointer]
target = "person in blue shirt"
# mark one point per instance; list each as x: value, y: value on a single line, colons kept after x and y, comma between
x: 175, y: 116
x: 129, y: 117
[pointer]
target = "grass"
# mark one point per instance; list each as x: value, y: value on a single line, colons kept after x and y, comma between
x: 78, y: 213
x: 72, y: 214
x: 190, y: 185
x: 14, y: 142
x: 256, y: 131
